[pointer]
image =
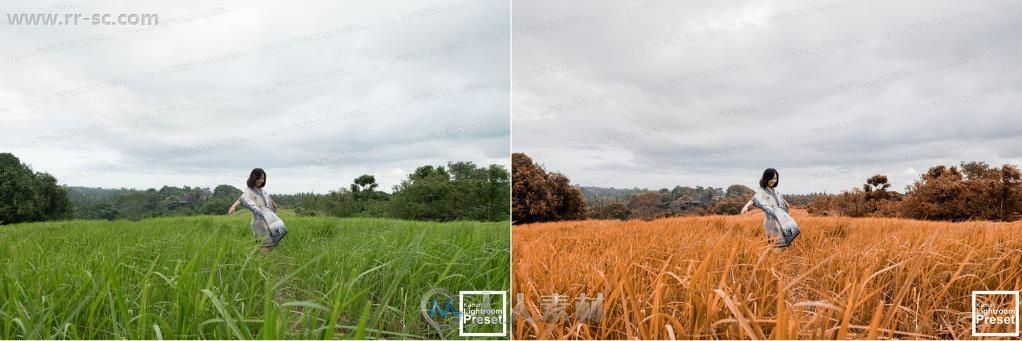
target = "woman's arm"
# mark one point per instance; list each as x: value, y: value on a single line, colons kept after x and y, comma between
x: 746, y: 207
x: 234, y: 207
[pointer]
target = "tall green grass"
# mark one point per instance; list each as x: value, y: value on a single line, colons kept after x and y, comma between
x: 203, y: 277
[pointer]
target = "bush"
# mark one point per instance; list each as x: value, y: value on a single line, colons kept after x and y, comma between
x: 610, y: 211
x: 730, y: 206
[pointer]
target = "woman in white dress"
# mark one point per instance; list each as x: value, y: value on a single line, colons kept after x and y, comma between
x: 779, y: 226
x: 267, y: 227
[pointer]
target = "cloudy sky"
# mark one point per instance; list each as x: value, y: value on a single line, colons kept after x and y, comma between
x: 662, y: 93
x: 315, y: 94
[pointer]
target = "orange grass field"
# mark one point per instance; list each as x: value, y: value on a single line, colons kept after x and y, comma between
x: 715, y: 277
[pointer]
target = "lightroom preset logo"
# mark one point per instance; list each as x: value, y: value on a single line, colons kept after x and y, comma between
x: 482, y: 313
x: 1005, y: 312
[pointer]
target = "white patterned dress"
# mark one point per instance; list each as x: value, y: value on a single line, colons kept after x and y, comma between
x: 777, y: 223
x: 266, y: 225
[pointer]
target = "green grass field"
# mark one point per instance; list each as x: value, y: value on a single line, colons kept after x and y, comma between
x: 203, y: 277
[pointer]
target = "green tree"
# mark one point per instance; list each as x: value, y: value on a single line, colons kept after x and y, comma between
x: 223, y: 197
x: 364, y: 183
x: 424, y: 195
x: 339, y: 203
x: 29, y: 196
x: 497, y: 193
x: 366, y: 200
x: 54, y: 202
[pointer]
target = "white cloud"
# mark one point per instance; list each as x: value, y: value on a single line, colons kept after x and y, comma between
x: 316, y: 93
x: 662, y: 93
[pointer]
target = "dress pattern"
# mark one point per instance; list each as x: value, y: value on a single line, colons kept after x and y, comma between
x: 777, y: 223
x: 267, y: 227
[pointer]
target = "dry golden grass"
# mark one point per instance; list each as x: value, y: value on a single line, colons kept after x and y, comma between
x: 715, y: 277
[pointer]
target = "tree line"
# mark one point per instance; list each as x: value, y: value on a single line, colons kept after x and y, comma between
x: 970, y: 191
x: 549, y: 196
x: 132, y: 204
x: 459, y: 191
x: 456, y: 191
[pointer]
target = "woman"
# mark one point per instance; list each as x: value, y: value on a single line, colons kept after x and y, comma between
x: 778, y: 224
x: 266, y: 225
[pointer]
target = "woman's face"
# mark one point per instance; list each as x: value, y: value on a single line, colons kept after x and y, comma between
x: 772, y: 182
x: 262, y: 179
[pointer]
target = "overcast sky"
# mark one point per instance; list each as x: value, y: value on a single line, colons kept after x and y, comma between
x: 315, y: 94
x: 662, y: 93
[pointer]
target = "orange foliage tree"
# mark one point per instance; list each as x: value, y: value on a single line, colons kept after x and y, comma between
x: 970, y: 191
x: 538, y: 196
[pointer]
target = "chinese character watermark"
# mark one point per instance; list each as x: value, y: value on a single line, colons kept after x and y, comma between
x: 554, y: 308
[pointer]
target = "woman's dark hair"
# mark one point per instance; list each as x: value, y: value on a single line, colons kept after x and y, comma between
x: 254, y: 176
x: 768, y: 175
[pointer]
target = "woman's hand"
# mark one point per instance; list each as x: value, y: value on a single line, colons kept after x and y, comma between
x: 234, y: 206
